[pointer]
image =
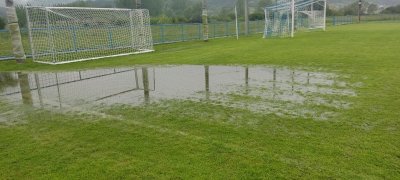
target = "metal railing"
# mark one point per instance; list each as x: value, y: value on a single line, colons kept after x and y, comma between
x: 162, y: 34
x: 341, y: 20
x: 172, y: 33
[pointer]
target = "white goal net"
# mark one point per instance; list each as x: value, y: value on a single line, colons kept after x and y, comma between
x: 286, y: 17
x: 68, y: 34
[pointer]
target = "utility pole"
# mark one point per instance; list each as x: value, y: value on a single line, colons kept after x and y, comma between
x: 138, y: 4
x: 359, y: 10
x: 246, y: 17
x: 236, y: 23
x: 325, y: 8
x: 205, y: 21
x: 15, y: 32
x: 292, y: 18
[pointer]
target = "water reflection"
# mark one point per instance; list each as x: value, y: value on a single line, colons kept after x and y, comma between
x: 8, y: 79
x: 207, y: 79
x: 146, y: 85
x: 279, y: 91
x: 25, y: 89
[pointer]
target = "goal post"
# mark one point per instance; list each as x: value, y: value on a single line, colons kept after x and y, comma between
x: 286, y: 17
x: 61, y: 35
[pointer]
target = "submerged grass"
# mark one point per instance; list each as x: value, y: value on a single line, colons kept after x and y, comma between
x: 187, y: 139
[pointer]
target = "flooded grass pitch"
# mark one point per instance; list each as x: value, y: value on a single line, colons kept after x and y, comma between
x: 280, y: 91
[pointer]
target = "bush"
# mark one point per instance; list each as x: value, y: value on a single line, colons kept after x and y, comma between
x: 392, y: 10
x: 256, y: 16
x: 2, y: 23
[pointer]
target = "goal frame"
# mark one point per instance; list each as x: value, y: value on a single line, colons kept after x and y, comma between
x: 141, y: 23
x: 291, y: 10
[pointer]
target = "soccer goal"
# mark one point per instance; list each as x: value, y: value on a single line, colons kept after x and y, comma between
x: 61, y: 35
x: 286, y: 17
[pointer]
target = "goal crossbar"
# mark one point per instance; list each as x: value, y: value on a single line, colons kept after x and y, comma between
x: 60, y: 35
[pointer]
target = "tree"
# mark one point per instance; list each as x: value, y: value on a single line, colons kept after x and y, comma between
x: 240, y: 7
x: 156, y: 7
x: 226, y: 14
x: 372, y: 9
x: 2, y: 23
x: 125, y: 4
x: 259, y: 12
x: 256, y: 16
x: 352, y: 9
x: 178, y: 7
x: 79, y: 3
x: 21, y: 14
x: 264, y: 3
x: 392, y: 10
x: 332, y: 12
x: 194, y: 12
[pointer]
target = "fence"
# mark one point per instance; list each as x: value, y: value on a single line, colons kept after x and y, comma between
x: 171, y: 33
x: 341, y: 20
x: 162, y: 33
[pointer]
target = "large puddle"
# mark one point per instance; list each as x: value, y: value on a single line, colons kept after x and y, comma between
x: 270, y: 90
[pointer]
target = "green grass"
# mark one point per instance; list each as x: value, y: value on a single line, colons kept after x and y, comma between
x: 185, y: 139
x: 5, y: 43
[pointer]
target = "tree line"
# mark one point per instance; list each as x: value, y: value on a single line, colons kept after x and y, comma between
x: 366, y: 9
x: 2, y: 23
x: 227, y: 14
x: 392, y: 10
x: 189, y: 11
x: 353, y: 8
x: 161, y: 11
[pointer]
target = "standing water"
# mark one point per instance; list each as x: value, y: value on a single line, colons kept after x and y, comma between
x: 261, y: 89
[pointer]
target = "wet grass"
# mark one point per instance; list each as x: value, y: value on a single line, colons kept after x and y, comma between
x: 186, y: 139
x: 342, y: 47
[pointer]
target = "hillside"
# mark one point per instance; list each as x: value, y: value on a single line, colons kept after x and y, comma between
x: 215, y: 4
x: 379, y: 2
x: 228, y: 3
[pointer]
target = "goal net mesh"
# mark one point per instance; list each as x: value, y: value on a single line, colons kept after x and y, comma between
x: 281, y: 18
x: 63, y: 35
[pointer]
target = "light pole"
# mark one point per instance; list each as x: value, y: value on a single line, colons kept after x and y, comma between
x: 15, y: 32
x: 292, y: 18
x: 205, y: 21
x: 246, y: 17
x: 359, y: 10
